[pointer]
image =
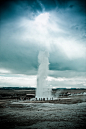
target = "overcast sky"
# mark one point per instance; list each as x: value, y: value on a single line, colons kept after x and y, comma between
x: 30, y: 26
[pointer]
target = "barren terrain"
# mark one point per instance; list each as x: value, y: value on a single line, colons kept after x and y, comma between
x: 63, y: 114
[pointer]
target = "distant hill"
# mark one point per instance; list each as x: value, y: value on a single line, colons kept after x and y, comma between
x: 33, y: 88
x: 17, y: 88
x: 68, y: 89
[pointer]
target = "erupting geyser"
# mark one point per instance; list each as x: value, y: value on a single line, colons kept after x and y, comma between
x: 42, y: 89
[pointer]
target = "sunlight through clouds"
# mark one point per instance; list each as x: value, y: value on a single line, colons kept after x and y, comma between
x: 28, y: 27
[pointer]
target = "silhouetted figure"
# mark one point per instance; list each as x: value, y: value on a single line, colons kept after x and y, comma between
x: 43, y: 99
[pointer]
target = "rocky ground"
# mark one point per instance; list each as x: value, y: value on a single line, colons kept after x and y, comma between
x: 24, y: 115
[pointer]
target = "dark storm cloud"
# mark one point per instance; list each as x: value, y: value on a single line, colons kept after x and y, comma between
x: 21, y: 56
x: 13, y: 8
x: 60, y: 62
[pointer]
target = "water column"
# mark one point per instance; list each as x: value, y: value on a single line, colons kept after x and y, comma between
x: 42, y: 90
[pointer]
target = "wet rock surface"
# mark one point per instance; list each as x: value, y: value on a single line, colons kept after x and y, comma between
x: 21, y: 115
